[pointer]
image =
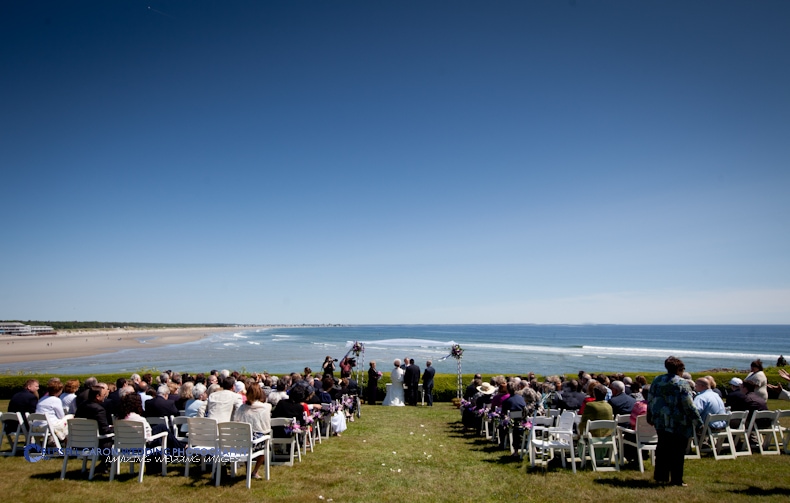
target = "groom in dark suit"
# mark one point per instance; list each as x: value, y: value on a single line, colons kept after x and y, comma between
x: 412, y: 379
x: 427, y: 382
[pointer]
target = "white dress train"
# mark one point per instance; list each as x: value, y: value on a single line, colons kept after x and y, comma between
x: 395, y: 390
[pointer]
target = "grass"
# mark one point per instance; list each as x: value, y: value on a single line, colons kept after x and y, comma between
x: 414, y: 453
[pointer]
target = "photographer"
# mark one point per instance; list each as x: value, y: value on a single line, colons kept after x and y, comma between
x: 329, y: 366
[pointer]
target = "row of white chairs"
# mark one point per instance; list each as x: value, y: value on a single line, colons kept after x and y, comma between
x: 556, y: 433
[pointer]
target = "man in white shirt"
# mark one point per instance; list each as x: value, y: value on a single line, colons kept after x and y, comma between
x: 222, y: 404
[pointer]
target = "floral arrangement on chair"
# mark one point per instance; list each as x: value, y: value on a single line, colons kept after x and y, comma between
x: 457, y: 352
x: 294, y: 428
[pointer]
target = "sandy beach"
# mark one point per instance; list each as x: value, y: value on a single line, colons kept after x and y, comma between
x: 76, y: 343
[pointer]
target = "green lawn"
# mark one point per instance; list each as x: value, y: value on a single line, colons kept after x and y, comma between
x: 407, y: 453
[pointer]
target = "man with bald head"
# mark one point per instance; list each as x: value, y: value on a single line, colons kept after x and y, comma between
x: 708, y: 402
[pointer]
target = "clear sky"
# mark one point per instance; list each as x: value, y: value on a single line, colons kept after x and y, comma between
x: 395, y: 161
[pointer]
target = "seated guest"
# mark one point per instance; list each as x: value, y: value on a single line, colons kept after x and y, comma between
x: 514, y: 403
x: 69, y: 395
x: 713, y: 387
x: 93, y: 409
x: 198, y: 401
x: 241, y: 389
x: 736, y: 399
x: 24, y: 401
x: 82, y: 396
x: 598, y: 409
x: 572, y: 397
x: 621, y: 402
x: 590, y: 395
x: 708, y: 402
x: 142, y: 390
x: 184, y: 395
x: 637, y: 391
x: 160, y: 406
x: 222, y: 404
x: 113, y: 402
x: 754, y: 402
x: 291, y: 407
x: 280, y: 392
x: 52, y: 407
x: 501, y: 394
x: 258, y: 413
x: 471, y: 390
x: 640, y: 406
x: 757, y: 376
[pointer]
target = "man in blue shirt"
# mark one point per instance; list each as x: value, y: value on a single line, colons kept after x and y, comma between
x: 708, y: 402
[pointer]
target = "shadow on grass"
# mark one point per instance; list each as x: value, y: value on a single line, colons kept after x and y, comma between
x: 759, y: 491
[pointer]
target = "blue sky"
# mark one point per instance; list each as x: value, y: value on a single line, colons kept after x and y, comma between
x: 395, y: 162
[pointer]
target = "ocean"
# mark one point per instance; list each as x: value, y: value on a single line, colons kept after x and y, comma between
x: 501, y: 349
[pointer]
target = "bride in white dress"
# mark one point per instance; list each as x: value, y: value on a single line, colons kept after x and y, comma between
x: 395, y: 390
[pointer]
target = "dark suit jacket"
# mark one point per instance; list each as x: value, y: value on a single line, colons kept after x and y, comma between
x: 621, y: 404
x: 24, y: 401
x: 95, y: 411
x: 427, y: 378
x: 160, y: 407
x: 412, y: 376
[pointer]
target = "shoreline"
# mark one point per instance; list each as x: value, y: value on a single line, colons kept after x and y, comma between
x: 79, y: 343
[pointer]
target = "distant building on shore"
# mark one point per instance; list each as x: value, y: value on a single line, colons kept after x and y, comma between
x: 16, y: 328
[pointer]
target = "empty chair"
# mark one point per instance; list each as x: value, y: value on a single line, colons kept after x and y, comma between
x: 202, y: 440
x: 237, y: 445
x: 763, y: 426
x: 40, y: 431
x: 591, y: 445
x: 738, y: 428
x: 83, y: 442
x: 13, y: 428
x: 130, y: 446
x: 546, y: 440
x: 645, y: 440
x: 542, y: 421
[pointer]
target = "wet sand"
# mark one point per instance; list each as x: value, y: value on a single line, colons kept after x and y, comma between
x: 76, y: 343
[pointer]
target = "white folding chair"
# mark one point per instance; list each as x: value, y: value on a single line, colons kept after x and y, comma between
x: 738, y: 431
x: 719, y: 438
x: 237, y: 445
x: 40, y: 431
x: 130, y: 446
x: 181, y: 428
x: 83, y: 442
x: 526, y: 438
x: 767, y: 436
x: 201, y: 441
x: 590, y: 444
x: 645, y: 440
x: 13, y: 428
x: 289, y: 442
x: 546, y: 440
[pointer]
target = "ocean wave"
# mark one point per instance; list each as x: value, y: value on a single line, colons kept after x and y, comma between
x: 239, y: 336
x: 420, y: 343
x: 253, y: 342
x: 628, y: 351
